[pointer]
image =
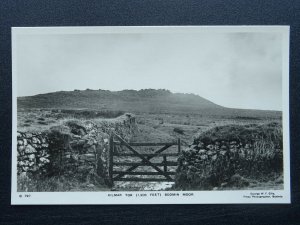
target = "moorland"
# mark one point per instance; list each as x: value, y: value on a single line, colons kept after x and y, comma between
x: 160, y: 114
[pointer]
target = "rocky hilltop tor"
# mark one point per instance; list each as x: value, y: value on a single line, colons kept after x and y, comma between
x: 136, y: 101
x: 144, y: 100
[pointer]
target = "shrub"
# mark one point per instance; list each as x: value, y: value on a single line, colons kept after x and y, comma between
x: 42, y: 123
x: 89, y: 114
x: 178, y: 130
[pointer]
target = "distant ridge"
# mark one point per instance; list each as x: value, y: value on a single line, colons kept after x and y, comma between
x: 141, y: 101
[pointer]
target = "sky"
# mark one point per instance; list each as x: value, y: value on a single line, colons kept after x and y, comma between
x: 237, y: 70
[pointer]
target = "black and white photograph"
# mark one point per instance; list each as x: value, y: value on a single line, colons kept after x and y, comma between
x: 146, y: 115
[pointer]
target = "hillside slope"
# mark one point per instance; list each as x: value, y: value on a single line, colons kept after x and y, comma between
x: 142, y: 101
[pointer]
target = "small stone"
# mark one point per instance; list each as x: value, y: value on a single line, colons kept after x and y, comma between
x: 21, y: 163
x: 91, y: 149
x: 44, y: 160
x: 75, y: 157
x: 35, y: 168
x: 89, y: 155
x: 20, y: 142
x: 21, y: 148
x: 233, y: 150
x: 35, y: 140
x: 202, y: 151
x: 223, y: 152
x: 194, y: 150
x: 186, y: 150
x: 224, y: 184
x: 31, y: 157
x: 210, y: 147
x: 92, y: 132
x: 90, y: 142
x: 25, y: 141
x: 214, y: 157
x: 42, y: 152
x: 86, y: 137
x: 193, y: 146
x: 223, y: 147
x: 90, y: 185
x: 203, y: 157
x: 81, y: 132
x: 28, y: 135
x: 29, y: 149
x: 201, y: 144
x: 279, y: 180
x: 19, y: 134
x: 209, y: 152
x: 76, y: 136
x: 45, y: 145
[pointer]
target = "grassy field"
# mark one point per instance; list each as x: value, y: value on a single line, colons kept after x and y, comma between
x: 56, y: 184
x: 161, y: 116
x: 187, y: 127
x: 170, y: 127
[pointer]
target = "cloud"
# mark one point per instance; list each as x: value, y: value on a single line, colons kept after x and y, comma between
x: 241, y: 70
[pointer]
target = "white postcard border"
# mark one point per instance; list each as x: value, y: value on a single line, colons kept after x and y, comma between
x: 154, y: 197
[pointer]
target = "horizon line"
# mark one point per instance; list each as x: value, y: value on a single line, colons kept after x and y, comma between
x: 160, y: 89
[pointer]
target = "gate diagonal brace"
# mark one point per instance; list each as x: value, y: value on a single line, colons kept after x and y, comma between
x: 149, y: 157
x: 144, y: 159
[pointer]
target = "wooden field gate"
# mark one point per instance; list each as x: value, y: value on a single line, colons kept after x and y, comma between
x: 115, y: 175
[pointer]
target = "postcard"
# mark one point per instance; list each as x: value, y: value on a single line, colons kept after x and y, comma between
x: 150, y: 115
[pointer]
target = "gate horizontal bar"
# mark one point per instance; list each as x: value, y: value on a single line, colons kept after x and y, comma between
x: 144, y: 164
x: 147, y: 144
x: 146, y: 154
x: 141, y: 173
x: 143, y: 179
x: 145, y: 160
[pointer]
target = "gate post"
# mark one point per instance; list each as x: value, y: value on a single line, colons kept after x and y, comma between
x: 165, y: 163
x: 110, y: 159
x: 179, y: 146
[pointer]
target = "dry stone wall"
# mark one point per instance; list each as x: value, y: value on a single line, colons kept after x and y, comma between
x: 32, y: 152
x: 218, y: 163
x: 77, y: 148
